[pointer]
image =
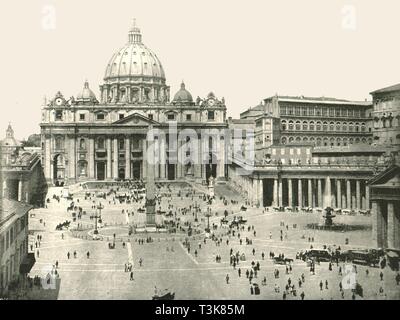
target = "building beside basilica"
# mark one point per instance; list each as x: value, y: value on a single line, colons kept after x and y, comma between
x: 84, y: 138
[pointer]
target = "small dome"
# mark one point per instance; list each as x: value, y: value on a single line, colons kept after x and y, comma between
x: 86, y: 95
x: 9, y: 140
x: 183, y: 96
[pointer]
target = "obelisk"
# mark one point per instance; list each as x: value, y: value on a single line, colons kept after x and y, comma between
x: 150, y: 187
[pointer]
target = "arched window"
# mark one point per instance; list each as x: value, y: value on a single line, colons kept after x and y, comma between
x: 326, y: 141
x: 290, y: 125
x: 283, y: 140
x: 319, y: 126
x: 325, y: 126
x: 305, y: 139
x: 298, y: 126
x: 332, y: 142
x: 351, y: 141
x: 357, y: 140
x: 363, y: 127
x: 283, y: 125
x: 82, y: 144
x: 312, y: 140
x: 338, y: 127
x: 82, y: 168
x: 357, y: 127
x: 332, y: 126
x: 319, y: 142
x: 312, y: 127
x: 345, y: 141
x: 121, y: 144
x: 305, y: 126
x: 344, y: 126
x: 364, y: 141
x: 338, y: 141
x: 291, y: 139
x: 298, y: 140
x: 351, y: 127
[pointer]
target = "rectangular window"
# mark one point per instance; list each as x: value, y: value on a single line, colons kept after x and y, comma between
x: 100, y: 116
x: 188, y: 117
x: 210, y: 115
x: 59, y: 115
x: 282, y: 151
x: 81, y: 117
x: 150, y: 116
x: 121, y: 116
x: 171, y: 116
x: 273, y: 151
x: 298, y: 151
x: 291, y: 152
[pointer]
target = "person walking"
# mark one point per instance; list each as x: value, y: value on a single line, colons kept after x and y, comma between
x: 302, y: 295
x: 88, y: 255
x: 321, y: 285
x: 131, y: 276
x: 68, y: 255
x: 227, y: 279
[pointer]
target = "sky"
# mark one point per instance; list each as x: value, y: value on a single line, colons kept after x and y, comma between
x: 243, y: 51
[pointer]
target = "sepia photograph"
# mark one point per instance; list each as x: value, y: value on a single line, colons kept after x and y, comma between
x: 200, y: 150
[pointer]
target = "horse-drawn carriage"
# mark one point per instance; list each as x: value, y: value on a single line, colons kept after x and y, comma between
x: 280, y: 260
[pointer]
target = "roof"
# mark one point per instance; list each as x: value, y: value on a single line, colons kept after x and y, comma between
x: 395, y: 87
x: 321, y: 100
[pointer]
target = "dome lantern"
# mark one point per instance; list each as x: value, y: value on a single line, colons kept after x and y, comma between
x: 134, y: 35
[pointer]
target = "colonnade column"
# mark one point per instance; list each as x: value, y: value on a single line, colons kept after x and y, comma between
x: 275, y: 197
x: 72, y: 158
x: 392, y: 222
x: 127, y: 158
x: 290, y: 190
x: 348, y: 194
x: 319, y: 193
x: 260, y: 192
x: 339, y: 193
x: 310, y: 194
x: 376, y: 216
x: 280, y: 193
x: 358, y: 195
x: 19, y: 190
x: 300, y: 193
x: 144, y: 162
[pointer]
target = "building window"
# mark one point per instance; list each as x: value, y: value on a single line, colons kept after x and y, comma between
x: 298, y: 126
x: 121, y: 144
x: 150, y: 116
x: 283, y: 123
x: 305, y: 126
x: 100, y: 143
x: 290, y: 125
x: 188, y: 117
x: 59, y: 115
x: 82, y: 117
x: 121, y: 116
x: 82, y: 144
x: 59, y: 143
x: 210, y: 115
x: 100, y: 116
x: 171, y: 116
x: 312, y: 128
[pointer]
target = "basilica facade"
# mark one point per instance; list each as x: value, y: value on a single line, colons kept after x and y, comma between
x: 86, y: 138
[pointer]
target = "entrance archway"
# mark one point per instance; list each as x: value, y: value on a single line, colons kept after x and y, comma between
x: 121, y: 173
x: 171, y: 171
x: 136, y: 170
x: 211, y: 166
x: 100, y: 170
x: 58, y: 170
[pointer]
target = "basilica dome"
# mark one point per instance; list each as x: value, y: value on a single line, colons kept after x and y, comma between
x: 182, y: 96
x: 134, y: 75
x: 134, y: 60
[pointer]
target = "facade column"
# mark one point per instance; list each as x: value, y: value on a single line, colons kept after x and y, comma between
x: 339, y: 193
x: 377, y: 225
x: 260, y: 192
x: 392, y: 222
x: 20, y: 190
x: 115, y: 163
x: 358, y: 195
x: 91, y: 158
x: 327, y: 201
x: 319, y: 193
x: 127, y: 158
x: 333, y: 193
x: 144, y: 162
x: 367, y: 201
x: 109, y: 158
x: 348, y: 194
x: 300, y: 193
x: 290, y: 195
x: 280, y: 192
x: 72, y: 159
x: 275, y: 193
x: 310, y: 193
x: 47, y: 159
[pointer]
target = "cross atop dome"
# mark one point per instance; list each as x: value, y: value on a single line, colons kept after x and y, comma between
x: 134, y: 35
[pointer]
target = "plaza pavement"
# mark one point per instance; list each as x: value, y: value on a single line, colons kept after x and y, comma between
x: 102, y: 276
